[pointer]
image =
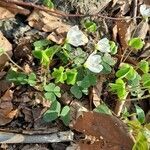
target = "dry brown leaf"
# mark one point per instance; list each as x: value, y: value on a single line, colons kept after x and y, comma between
x: 6, y: 108
x: 48, y: 23
x: 124, y: 33
x: 104, y: 131
x: 6, y: 46
x: 59, y: 39
x: 142, y: 30
x: 5, y: 13
x: 95, y: 93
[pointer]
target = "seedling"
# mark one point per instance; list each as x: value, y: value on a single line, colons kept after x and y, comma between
x: 55, y: 112
x: 52, y: 91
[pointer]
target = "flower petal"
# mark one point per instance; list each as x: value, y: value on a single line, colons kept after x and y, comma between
x: 93, y: 63
x: 145, y: 11
x: 103, y: 45
x: 76, y: 37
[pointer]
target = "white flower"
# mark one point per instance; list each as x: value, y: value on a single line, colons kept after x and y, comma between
x: 76, y: 37
x: 103, y: 45
x: 93, y: 63
x: 145, y: 11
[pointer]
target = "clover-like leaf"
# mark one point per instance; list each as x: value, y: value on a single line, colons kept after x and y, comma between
x: 53, y: 112
x: 119, y: 88
x: 59, y: 75
x: 146, y: 80
x: 65, y: 115
x: 90, y: 26
x: 113, y: 47
x: 31, y: 79
x: 71, y: 76
x: 76, y: 91
x: 140, y: 114
x: 108, y: 59
x: 52, y: 91
x: 144, y: 66
x: 136, y: 43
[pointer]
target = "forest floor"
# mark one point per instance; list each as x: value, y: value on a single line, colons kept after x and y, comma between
x: 74, y: 74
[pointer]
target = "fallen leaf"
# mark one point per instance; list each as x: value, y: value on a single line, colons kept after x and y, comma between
x: 59, y: 39
x: 6, y: 108
x: 5, y: 13
x: 141, y: 30
x: 48, y: 23
x: 95, y: 93
x: 106, y: 131
x: 4, y: 44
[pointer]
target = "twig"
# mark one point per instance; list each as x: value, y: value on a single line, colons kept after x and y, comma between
x: 119, y: 107
x: 6, y: 137
x: 139, y: 98
x: 14, y: 62
x: 56, y: 12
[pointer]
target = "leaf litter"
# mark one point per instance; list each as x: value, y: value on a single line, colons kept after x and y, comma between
x: 73, y: 124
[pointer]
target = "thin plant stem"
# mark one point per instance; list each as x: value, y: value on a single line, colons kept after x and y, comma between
x: 139, y: 98
x: 13, y: 62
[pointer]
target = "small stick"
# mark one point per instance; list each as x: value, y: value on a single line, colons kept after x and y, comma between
x: 119, y: 107
x: 6, y: 137
x: 29, y: 4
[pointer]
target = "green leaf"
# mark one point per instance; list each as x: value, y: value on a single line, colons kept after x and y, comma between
x: 48, y: 3
x: 141, y: 142
x: 39, y: 45
x: 52, y: 91
x: 16, y: 77
x: 136, y: 43
x: 59, y: 75
x: 108, y: 59
x: 50, y: 87
x: 50, y: 96
x: 123, y: 71
x: 67, y: 47
x: 140, y: 114
x: 31, y: 79
x: 119, y: 88
x: 131, y: 74
x: 53, y: 112
x: 90, y: 26
x: 71, y: 76
x: 146, y: 80
x: 106, y: 68
x: 76, y: 91
x: 102, y: 108
x: 88, y: 80
x: 65, y: 115
x: 113, y: 47
x: 144, y: 66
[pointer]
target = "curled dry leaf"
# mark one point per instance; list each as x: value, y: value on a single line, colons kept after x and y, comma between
x: 103, y: 132
x: 6, y: 108
x: 7, y: 47
x: 49, y: 23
